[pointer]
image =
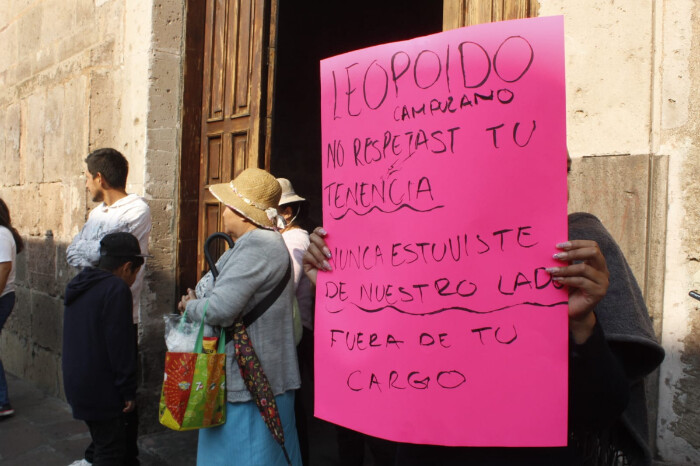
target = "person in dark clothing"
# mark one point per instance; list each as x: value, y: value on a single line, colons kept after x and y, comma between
x: 612, y: 348
x: 99, y: 351
x: 607, y: 406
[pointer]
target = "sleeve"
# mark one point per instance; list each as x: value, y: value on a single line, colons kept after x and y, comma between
x: 83, y: 251
x: 138, y: 223
x: 236, y: 284
x: 121, y: 341
x: 297, y: 246
x: 6, y: 242
x: 598, y: 387
x: 5, y: 257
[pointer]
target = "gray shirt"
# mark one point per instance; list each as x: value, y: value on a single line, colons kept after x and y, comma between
x: 247, y: 274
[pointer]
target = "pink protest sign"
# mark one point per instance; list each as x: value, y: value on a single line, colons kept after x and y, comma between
x: 444, y: 195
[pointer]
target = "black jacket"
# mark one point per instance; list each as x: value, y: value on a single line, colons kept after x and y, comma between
x: 99, y: 345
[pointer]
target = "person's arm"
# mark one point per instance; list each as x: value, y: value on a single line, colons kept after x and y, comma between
x: 121, y: 341
x: 236, y: 284
x: 5, y: 269
x: 83, y: 251
x: 138, y: 223
x: 598, y: 387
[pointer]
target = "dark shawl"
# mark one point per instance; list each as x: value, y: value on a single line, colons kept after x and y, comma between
x: 625, y: 321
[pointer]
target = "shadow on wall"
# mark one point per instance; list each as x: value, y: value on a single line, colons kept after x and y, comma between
x: 31, y: 341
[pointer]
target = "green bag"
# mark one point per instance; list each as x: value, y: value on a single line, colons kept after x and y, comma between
x: 194, y: 386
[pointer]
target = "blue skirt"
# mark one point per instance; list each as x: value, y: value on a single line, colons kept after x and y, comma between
x: 245, y: 439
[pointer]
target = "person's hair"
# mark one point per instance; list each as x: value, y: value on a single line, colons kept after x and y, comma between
x: 299, y: 214
x: 112, y: 263
x: 6, y: 222
x: 111, y: 164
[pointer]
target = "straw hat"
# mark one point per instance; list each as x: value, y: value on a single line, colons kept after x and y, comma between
x: 288, y: 194
x: 254, y: 194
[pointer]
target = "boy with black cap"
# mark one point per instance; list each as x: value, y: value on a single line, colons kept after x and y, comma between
x: 99, y: 350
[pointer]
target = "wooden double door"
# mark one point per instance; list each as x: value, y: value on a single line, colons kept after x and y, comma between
x: 229, y: 87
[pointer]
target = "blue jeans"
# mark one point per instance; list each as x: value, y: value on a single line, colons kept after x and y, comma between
x: 7, y: 302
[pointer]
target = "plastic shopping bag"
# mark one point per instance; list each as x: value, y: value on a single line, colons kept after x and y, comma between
x: 194, y: 387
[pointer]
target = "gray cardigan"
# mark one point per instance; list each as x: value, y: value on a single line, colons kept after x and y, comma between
x: 247, y: 274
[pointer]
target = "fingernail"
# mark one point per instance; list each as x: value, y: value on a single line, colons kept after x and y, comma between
x: 551, y: 270
x: 327, y: 252
x: 322, y: 232
x: 564, y: 245
x: 560, y: 255
x: 327, y: 266
x: 558, y: 279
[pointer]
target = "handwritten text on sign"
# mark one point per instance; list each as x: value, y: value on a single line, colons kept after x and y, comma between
x: 444, y: 194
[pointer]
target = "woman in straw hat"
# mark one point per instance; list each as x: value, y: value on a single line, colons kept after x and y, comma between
x: 248, y: 273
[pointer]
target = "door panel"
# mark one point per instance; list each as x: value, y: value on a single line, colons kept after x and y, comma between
x: 236, y: 39
x: 458, y: 13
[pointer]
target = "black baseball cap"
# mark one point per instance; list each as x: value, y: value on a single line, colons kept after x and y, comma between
x: 120, y: 244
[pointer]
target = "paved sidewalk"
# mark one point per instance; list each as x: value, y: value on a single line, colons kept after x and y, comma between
x: 42, y: 432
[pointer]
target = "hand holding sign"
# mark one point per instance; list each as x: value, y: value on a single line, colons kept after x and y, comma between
x: 588, y: 280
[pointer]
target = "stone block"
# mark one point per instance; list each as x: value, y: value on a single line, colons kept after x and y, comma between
x: 30, y: 25
x: 21, y: 277
x: 165, y: 93
x: 75, y: 127
x: 162, y: 242
x: 64, y: 272
x: 22, y: 72
x: 12, y: 162
x: 103, y: 54
x: 17, y: 7
x: 78, y: 210
x: 159, y: 292
x: 41, y: 264
x: 52, y: 202
x: 656, y: 265
x: 26, y: 219
x: 608, y: 97
x: 162, y: 164
x: 103, y: 111
x: 54, y: 157
x: 20, y: 319
x: 45, y: 370
x: 58, y: 20
x: 80, y: 40
x: 32, y: 144
x: 9, y: 37
x: 84, y: 13
x: 47, y: 322
x: 616, y: 190
x: 15, y: 350
x: 167, y: 26
x: 103, y: 19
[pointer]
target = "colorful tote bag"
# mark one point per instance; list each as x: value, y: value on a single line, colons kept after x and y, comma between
x: 194, y: 387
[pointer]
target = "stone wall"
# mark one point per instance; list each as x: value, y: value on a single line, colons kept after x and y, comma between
x: 76, y: 75
x: 632, y: 104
